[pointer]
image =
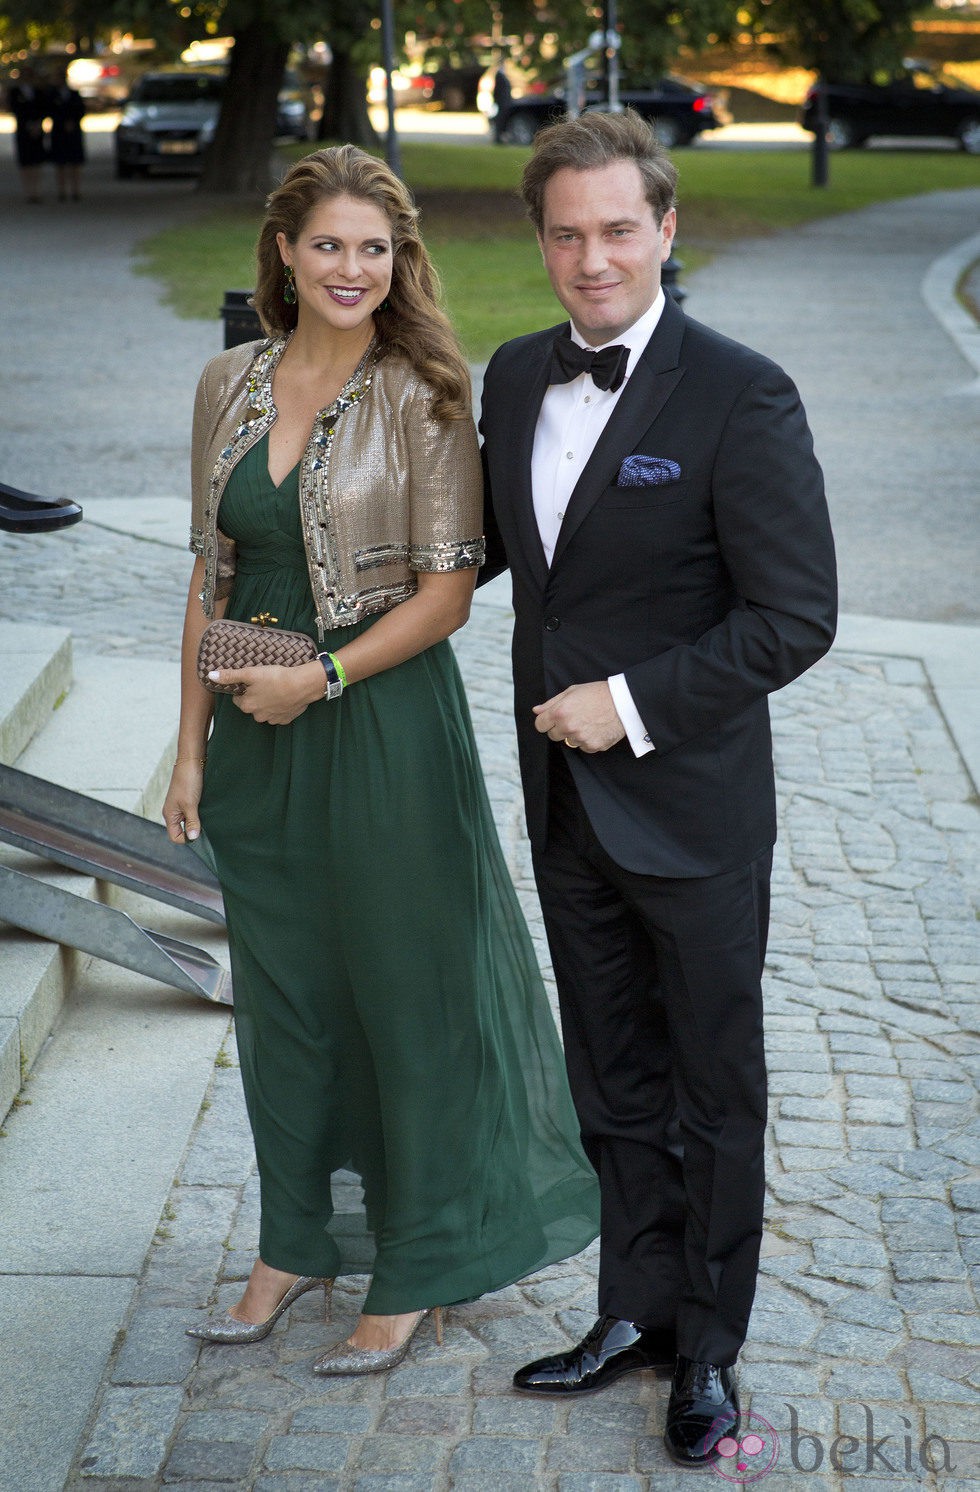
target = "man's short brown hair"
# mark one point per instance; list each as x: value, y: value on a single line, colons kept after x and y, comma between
x: 594, y: 140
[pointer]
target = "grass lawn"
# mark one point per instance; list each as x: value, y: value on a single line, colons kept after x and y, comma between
x: 475, y: 228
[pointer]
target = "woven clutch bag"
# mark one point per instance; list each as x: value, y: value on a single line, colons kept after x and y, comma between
x: 226, y: 644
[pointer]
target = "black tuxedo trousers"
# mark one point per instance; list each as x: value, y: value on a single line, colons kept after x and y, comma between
x: 659, y: 986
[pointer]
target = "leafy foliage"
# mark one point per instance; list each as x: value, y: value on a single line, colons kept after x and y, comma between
x: 845, y: 40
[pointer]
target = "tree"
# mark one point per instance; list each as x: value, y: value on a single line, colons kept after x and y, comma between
x: 355, y: 48
x: 654, y: 31
x: 240, y: 154
x: 240, y: 159
x: 846, y: 40
x: 543, y: 34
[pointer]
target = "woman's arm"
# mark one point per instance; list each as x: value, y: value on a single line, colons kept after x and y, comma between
x: 184, y: 794
x: 445, y: 506
x: 275, y: 696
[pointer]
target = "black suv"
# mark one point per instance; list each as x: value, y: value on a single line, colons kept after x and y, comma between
x: 679, y: 111
x: 920, y: 101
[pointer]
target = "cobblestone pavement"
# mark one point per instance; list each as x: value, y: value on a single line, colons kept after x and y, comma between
x: 865, y: 1324
x: 118, y: 595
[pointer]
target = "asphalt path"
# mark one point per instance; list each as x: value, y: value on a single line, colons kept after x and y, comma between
x: 97, y: 384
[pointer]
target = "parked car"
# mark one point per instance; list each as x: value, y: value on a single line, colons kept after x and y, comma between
x: 102, y: 81
x: 296, y: 107
x: 456, y: 85
x: 679, y: 111
x: 921, y: 101
x: 411, y: 87
x: 170, y: 119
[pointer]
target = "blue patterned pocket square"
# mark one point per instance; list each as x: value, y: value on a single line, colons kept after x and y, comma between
x: 647, y: 471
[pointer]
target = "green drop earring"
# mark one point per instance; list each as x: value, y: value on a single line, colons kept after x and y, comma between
x: 289, y: 289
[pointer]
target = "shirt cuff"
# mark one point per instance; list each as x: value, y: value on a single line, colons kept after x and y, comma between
x: 636, y: 731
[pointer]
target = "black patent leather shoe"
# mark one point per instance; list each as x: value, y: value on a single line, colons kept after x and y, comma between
x: 703, y: 1409
x: 612, y: 1348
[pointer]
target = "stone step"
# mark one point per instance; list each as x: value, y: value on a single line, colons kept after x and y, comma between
x: 109, y: 732
x: 35, y: 675
x: 110, y: 1069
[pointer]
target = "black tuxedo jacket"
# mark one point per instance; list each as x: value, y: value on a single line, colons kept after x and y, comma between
x: 708, y: 593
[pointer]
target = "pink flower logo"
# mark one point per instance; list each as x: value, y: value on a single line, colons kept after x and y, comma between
x: 751, y: 1456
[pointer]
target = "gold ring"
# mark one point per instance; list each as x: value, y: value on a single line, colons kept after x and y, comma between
x: 569, y: 745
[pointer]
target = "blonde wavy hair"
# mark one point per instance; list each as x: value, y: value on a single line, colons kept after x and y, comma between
x: 412, y: 322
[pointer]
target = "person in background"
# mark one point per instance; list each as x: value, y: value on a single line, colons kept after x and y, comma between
x: 67, y: 144
x: 502, y: 95
x: 27, y: 101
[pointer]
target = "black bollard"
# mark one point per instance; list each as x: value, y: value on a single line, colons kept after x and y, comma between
x: 241, y: 318
x: 669, y: 272
x: 820, y: 153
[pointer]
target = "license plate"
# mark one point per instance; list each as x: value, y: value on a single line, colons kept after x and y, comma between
x: 178, y: 147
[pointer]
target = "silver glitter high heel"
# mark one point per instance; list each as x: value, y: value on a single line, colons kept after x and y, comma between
x: 347, y: 1359
x: 228, y: 1329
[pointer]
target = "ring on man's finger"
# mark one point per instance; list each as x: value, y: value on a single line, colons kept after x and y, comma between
x: 570, y: 744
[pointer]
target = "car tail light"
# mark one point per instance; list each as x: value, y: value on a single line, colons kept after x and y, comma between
x: 702, y: 102
x: 110, y: 70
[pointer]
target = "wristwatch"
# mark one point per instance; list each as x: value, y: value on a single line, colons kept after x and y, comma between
x: 335, y: 684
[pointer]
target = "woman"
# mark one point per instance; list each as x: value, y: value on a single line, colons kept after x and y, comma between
x: 390, y: 1017
x: 67, y: 108
x: 27, y: 101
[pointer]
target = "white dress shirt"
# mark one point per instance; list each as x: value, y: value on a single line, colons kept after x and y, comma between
x: 573, y: 416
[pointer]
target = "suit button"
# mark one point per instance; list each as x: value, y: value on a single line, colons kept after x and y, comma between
x: 551, y: 624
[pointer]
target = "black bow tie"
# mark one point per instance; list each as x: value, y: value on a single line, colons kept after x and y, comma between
x: 568, y: 360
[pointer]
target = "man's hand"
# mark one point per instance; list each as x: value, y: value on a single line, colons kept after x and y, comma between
x: 583, y: 716
x: 274, y: 695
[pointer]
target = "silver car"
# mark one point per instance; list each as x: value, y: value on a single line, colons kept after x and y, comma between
x: 168, y: 122
x: 170, y: 119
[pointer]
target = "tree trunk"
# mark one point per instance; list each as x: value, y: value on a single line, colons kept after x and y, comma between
x: 345, y: 110
x: 240, y: 159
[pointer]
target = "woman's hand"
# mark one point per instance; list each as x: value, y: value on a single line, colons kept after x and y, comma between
x: 180, y: 807
x: 274, y: 695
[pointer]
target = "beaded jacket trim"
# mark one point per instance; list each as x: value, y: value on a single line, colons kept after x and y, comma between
x: 442, y: 558
x: 332, y: 610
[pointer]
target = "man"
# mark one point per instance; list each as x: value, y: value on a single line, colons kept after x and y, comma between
x: 663, y: 517
x: 502, y: 96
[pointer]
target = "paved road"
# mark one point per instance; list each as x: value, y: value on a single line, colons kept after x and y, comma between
x: 866, y: 1322
x: 894, y: 407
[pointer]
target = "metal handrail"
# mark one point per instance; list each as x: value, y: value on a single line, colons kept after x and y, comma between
x: 29, y: 513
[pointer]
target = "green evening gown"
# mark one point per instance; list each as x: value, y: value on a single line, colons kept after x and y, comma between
x: 402, y: 1070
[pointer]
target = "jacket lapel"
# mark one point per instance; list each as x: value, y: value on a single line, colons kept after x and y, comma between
x: 527, y: 396
x: 650, y: 385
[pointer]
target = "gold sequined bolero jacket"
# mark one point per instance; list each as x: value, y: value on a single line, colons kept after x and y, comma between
x: 385, y: 489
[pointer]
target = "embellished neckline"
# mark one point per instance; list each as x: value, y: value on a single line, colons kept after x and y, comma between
x: 260, y: 400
